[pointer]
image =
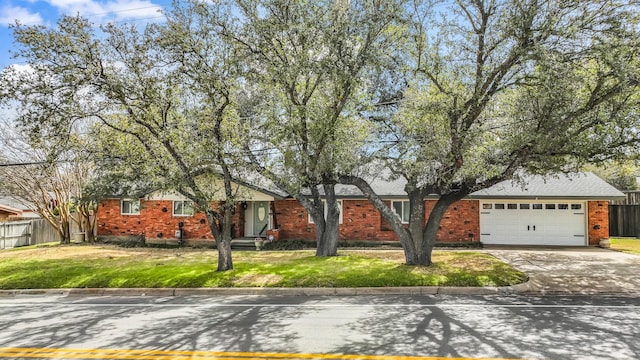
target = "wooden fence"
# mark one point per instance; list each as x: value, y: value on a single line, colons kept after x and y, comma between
x: 42, y: 232
x: 631, y: 198
x: 624, y: 220
x: 14, y: 234
x: 624, y: 215
x: 32, y: 232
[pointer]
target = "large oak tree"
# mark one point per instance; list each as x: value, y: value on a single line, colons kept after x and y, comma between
x: 496, y: 88
x: 170, y: 126
x: 309, y: 61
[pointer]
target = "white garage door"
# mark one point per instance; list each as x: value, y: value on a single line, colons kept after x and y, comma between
x: 533, y: 223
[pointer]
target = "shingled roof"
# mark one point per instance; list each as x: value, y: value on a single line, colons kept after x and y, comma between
x: 583, y: 185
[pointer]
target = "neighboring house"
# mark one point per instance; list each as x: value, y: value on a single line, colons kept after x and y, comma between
x: 568, y: 211
x: 7, y: 212
x: 13, y: 203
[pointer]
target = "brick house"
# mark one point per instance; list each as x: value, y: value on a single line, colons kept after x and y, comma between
x: 563, y: 210
x: 7, y: 212
x: 15, y: 208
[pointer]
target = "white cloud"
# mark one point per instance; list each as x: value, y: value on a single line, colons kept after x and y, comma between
x: 23, y: 68
x: 114, y: 10
x: 9, y: 14
x: 14, y: 74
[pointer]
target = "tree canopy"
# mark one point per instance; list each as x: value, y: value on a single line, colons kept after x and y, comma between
x: 496, y: 88
x: 308, y: 61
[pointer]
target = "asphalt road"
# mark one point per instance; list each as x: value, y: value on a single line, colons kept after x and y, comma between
x: 235, y: 327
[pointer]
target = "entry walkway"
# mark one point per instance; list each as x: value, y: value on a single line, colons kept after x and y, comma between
x: 586, y: 271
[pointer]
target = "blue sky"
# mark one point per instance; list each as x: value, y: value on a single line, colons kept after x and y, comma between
x: 47, y: 12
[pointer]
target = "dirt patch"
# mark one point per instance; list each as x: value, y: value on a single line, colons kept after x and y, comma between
x: 392, y: 255
x: 451, y: 259
x: 261, y: 280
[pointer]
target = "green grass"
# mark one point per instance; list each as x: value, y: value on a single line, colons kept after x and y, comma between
x: 127, y: 268
x: 628, y: 245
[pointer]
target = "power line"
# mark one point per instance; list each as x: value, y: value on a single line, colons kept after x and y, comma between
x: 159, y: 6
x: 32, y: 163
x: 124, y: 21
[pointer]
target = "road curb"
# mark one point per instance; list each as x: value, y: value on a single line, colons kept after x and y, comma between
x: 530, y: 288
x: 416, y: 290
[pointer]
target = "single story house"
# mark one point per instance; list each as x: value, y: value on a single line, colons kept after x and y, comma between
x: 12, y: 207
x: 7, y: 212
x: 563, y: 210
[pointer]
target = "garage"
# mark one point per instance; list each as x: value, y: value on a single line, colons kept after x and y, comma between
x: 531, y: 222
x: 562, y: 210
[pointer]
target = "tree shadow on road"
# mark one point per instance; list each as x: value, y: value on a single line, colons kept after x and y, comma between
x: 504, y: 327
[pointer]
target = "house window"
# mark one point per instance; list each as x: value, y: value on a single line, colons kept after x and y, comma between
x: 324, y: 202
x: 550, y: 206
x: 512, y: 206
x: 576, y: 206
x: 486, y: 206
x: 563, y: 206
x: 537, y: 206
x: 499, y: 206
x: 130, y: 207
x: 524, y: 206
x: 182, y: 208
x: 401, y: 208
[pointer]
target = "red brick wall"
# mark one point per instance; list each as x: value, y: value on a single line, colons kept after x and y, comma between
x: 461, y: 222
x: 598, y: 223
x: 362, y: 221
x: 154, y: 221
x: 292, y: 220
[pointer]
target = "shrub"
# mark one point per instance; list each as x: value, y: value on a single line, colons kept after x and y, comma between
x: 289, y: 245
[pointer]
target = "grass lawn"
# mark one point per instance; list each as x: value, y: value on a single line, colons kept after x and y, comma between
x: 113, y: 267
x: 628, y: 245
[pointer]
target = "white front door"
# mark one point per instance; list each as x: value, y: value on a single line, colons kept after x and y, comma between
x: 530, y: 222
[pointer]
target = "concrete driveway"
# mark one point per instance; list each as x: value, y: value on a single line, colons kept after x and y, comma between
x: 574, y: 270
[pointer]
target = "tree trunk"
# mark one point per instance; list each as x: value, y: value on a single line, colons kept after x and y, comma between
x: 225, y: 261
x: 87, y: 224
x: 416, y: 225
x: 326, y: 227
x: 387, y: 214
x: 89, y: 231
x: 328, y: 238
x: 328, y: 241
x: 428, y: 239
x: 418, y: 239
x: 222, y: 235
x: 65, y: 235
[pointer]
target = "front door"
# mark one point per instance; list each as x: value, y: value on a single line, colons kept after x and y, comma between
x: 260, y: 217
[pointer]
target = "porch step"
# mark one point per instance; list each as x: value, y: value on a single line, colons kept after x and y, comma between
x: 244, y: 243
